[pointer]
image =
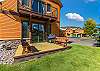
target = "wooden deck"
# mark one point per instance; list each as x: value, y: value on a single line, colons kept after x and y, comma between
x: 36, y: 55
x: 44, y: 46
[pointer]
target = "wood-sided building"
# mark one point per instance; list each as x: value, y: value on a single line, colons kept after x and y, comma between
x: 72, y: 31
x: 31, y: 20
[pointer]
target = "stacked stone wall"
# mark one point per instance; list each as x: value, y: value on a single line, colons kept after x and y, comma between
x: 7, y: 50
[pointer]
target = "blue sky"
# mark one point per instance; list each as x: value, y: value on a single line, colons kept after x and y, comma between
x: 75, y: 12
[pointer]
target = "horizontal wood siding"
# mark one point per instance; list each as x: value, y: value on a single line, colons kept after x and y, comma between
x: 10, y: 26
x: 10, y: 5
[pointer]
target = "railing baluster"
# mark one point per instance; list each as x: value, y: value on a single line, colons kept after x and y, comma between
x: 44, y: 8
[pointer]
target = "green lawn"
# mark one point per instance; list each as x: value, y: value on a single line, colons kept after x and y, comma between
x: 79, y: 58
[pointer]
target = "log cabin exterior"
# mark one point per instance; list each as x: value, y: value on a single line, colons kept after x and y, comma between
x: 31, y: 20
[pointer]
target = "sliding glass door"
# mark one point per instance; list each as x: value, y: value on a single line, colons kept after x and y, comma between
x: 38, y: 6
x: 41, y: 32
x: 41, y: 7
x: 35, y: 5
x: 35, y: 37
x: 37, y: 32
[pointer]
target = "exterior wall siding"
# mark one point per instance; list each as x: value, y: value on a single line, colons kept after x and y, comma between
x: 10, y: 31
x: 10, y: 27
x: 11, y: 24
x: 9, y: 5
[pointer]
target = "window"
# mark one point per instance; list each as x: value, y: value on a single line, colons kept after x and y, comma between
x: 35, y: 5
x: 35, y: 27
x: 37, y: 32
x: 25, y: 2
x: 38, y: 6
x: 25, y: 29
x: 49, y: 7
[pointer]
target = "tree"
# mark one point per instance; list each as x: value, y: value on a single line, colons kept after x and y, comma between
x: 90, y: 26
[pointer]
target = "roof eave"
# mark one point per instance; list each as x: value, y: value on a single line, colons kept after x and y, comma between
x: 59, y: 3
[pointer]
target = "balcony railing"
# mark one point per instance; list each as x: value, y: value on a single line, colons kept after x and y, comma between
x: 38, y: 7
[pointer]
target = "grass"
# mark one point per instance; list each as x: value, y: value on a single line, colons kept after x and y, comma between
x: 79, y: 58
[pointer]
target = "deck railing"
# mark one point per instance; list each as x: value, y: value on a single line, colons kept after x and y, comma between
x: 38, y: 7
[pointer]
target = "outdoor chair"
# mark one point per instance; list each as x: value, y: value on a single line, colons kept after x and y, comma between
x: 51, y: 38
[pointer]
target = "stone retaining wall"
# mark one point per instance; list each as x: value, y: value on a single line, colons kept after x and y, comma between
x: 7, y: 50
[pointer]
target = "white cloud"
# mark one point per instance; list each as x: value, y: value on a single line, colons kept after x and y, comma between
x: 74, y: 16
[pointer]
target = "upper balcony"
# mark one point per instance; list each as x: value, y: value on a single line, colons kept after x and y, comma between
x: 37, y: 8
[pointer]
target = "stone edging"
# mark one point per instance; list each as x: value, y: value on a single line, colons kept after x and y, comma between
x: 7, y: 50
